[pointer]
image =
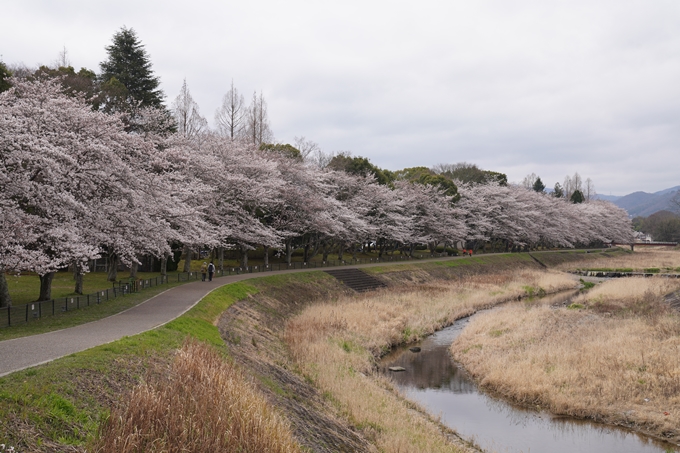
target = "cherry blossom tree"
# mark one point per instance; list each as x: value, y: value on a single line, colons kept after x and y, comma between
x: 75, y: 185
x: 243, y: 185
x: 85, y: 177
x: 435, y: 219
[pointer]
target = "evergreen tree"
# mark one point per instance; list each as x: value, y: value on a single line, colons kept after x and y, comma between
x: 577, y: 197
x: 538, y: 185
x: 128, y: 74
x: 558, y: 192
x: 4, y: 75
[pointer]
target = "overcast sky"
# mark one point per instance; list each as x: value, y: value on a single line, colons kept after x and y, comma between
x: 546, y: 86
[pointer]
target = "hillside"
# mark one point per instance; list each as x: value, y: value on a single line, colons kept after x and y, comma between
x: 645, y: 204
x: 642, y: 203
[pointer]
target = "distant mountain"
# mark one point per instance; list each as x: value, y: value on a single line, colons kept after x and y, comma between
x: 665, y: 191
x: 645, y: 204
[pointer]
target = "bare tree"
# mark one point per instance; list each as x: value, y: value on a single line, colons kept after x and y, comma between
x: 321, y: 159
x: 675, y: 202
x: 306, y: 147
x: 230, y: 118
x: 190, y: 123
x: 62, y: 60
x: 572, y: 184
x: 21, y: 71
x: 258, y: 130
x: 529, y: 181
x: 589, y: 190
x: 577, y: 181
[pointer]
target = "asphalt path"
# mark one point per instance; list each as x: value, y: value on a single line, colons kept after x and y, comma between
x: 21, y: 353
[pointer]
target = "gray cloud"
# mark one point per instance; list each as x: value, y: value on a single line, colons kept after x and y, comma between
x: 518, y: 87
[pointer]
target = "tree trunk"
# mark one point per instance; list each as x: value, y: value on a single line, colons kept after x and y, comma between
x: 187, y: 258
x: 354, y: 251
x: 289, y: 251
x: 341, y: 251
x: 133, y: 270
x: 220, y: 258
x: 305, y: 255
x: 112, y: 260
x: 244, y: 257
x: 46, y: 286
x: 5, y: 299
x: 315, y: 250
x: 78, y: 275
x: 164, y: 266
x: 326, y: 251
x: 266, y: 255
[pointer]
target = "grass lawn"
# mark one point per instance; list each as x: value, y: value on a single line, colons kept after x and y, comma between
x: 25, y: 288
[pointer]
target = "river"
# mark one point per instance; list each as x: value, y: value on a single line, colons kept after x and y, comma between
x: 432, y: 379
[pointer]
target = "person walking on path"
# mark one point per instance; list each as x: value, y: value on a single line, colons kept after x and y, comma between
x: 211, y: 271
x: 204, y: 271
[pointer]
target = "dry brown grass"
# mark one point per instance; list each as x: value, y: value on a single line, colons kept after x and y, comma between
x: 618, y: 364
x: 205, y: 405
x: 629, y: 296
x: 643, y: 258
x: 336, y: 346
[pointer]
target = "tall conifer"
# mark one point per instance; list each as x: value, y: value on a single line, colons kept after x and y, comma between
x: 128, y: 74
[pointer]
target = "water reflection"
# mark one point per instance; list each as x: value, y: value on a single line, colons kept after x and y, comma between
x: 433, y: 379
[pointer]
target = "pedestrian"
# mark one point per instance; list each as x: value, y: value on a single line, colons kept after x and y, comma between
x: 204, y: 271
x: 211, y: 271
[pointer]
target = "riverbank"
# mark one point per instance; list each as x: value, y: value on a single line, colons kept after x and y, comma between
x: 327, y: 356
x: 610, y: 356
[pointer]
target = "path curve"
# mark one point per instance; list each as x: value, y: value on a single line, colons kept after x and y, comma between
x: 21, y: 353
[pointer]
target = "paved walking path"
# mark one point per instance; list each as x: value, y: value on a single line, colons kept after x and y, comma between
x: 20, y: 353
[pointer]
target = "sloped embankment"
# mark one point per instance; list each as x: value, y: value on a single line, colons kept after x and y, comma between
x: 253, y: 329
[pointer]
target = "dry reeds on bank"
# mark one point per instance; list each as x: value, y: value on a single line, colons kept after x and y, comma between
x: 613, y: 356
x: 663, y: 259
x: 204, y: 405
x: 336, y: 346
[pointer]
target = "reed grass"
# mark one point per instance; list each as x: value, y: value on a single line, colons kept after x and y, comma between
x: 617, y: 360
x: 205, y: 405
x: 665, y: 259
x: 639, y: 296
x: 336, y: 346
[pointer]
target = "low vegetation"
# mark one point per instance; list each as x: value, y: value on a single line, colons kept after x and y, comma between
x: 204, y: 404
x: 611, y: 355
x: 336, y: 346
